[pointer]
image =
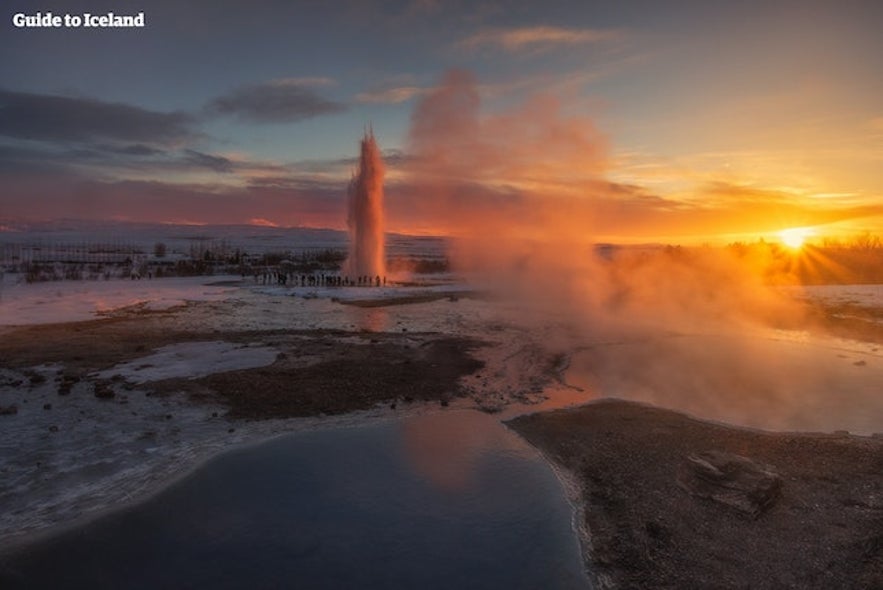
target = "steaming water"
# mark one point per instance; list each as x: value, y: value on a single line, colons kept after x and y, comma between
x: 366, y: 217
x: 772, y: 380
x: 448, y: 500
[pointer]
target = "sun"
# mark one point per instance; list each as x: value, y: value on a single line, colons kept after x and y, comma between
x: 795, y: 237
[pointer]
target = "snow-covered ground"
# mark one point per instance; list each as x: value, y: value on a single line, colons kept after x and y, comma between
x: 870, y: 296
x: 49, y: 302
x: 191, y: 360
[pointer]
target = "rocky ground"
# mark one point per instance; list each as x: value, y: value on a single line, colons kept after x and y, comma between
x: 820, y: 526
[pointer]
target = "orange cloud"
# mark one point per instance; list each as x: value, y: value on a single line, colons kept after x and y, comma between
x: 262, y: 222
x: 527, y: 38
x: 390, y: 95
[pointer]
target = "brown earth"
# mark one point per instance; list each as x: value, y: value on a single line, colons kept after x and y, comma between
x: 646, y: 531
x: 316, y: 372
x: 348, y: 377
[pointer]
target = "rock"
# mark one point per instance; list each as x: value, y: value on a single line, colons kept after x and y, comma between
x: 734, y: 481
x: 53, y: 428
x: 47, y: 406
x: 8, y: 410
x: 36, y: 378
x: 103, y: 391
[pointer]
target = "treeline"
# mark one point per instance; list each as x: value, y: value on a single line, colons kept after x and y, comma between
x: 857, y: 260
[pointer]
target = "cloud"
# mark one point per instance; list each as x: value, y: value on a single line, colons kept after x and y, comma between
x: 216, y: 163
x: 47, y: 117
x: 136, y: 149
x: 70, y: 195
x: 262, y: 222
x: 278, y: 101
x: 533, y: 38
x: 391, y: 95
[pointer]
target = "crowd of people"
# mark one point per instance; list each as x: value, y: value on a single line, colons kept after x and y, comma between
x: 268, y: 277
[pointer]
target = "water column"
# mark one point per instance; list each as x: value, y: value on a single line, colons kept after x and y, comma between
x: 367, y: 249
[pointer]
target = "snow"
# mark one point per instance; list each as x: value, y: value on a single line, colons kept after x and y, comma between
x: 192, y: 360
x: 385, y: 294
x: 24, y: 303
x: 861, y: 295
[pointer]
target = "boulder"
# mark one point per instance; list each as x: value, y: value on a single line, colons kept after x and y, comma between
x: 734, y: 481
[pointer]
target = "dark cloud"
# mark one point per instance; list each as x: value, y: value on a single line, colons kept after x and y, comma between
x: 135, y: 149
x: 47, y: 117
x: 76, y: 197
x: 280, y: 101
x: 216, y: 163
x: 113, y: 159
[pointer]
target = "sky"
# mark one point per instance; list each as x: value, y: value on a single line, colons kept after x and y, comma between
x: 678, y: 122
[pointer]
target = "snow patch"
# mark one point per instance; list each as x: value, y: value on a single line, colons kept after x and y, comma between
x: 193, y: 360
x: 69, y: 301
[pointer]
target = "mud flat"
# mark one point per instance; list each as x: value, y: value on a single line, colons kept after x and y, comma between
x: 822, y: 528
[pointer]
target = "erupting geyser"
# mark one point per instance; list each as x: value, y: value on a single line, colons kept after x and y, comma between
x: 367, y: 252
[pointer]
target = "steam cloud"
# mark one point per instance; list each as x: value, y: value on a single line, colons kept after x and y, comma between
x: 527, y: 192
x: 690, y: 328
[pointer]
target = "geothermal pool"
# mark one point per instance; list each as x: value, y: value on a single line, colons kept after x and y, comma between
x: 444, y: 500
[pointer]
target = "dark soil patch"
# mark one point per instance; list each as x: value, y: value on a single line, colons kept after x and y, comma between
x: 350, y: 376
x: 826, y: 530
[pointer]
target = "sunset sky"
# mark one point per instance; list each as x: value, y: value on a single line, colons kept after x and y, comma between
x: 692, y: 121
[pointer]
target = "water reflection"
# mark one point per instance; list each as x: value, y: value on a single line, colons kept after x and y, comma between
x: 362, y: 507
x: 762, y: 381
x: 445, y: 449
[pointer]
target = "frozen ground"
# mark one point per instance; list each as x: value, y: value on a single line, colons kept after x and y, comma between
x: 862, y: 295
x: 83, y: 452
x: 191, y: 360
x: 68, y: 301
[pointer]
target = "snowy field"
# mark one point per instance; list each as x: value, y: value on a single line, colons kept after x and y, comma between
x: 867, y: 296
x: 70, y: 301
